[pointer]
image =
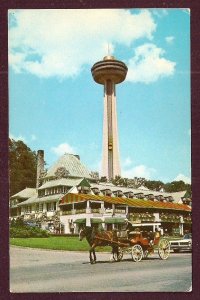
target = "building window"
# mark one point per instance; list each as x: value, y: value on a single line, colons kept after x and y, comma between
x: 48, y: 206
x: 151, y: 197
x: 41, y: 193
x: 51, y: 206
x: 28, y: 209
x: 83, y: 189
x: 65, y: 189
x: 37, y: 207
x: 107, y: 192
x: 40, y: 207
x: 96, y: 191
x: 129, y: 194
x: 140, y: 196
x: 59, y: 190
x: 118, y: 193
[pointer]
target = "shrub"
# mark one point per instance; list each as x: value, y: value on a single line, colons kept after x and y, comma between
x: 27, y: 232
x: 17, y: 223
x: 19, y: 232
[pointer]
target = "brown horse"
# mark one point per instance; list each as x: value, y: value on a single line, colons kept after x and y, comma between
x: 96, y: 238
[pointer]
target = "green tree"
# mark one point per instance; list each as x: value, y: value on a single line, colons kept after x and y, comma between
x: 154, y: 185
x: 126, y: 182
x: 103, y: 179
x: 177, y: 186
x: 119, y: 181
x: 22, y: 166
x: 136, y: 182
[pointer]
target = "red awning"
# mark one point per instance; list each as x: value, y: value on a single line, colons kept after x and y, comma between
x: 137, y: 203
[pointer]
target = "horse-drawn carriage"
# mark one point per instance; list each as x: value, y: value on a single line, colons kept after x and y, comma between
x: 137, y: 243
x: 142, y: 243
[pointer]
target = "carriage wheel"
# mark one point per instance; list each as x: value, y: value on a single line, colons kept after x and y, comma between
x: 119, y: 256
x: 164, y: 248
x: 137, y: 253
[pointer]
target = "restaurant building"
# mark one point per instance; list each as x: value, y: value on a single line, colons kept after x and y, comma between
x: 68, y: 195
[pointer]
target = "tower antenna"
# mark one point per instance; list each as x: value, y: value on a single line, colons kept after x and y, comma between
x: 108, y: 49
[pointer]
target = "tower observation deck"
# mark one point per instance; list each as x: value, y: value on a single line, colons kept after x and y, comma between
x: 110, y: 72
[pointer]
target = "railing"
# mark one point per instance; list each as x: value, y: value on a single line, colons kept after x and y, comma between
x: 66, y: 212
x: 73, y: 211
x: 142, y: 217
x: 170, y: 218
x: 80, y: 211
x: 83, y: 211
x: 95, y: 210
x: 120, y: 211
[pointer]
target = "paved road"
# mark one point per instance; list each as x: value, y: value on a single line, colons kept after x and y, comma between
x: 34, y: 270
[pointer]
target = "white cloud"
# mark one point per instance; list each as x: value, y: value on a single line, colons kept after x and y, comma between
x: 128, y: 162
x: 17, y: 138
x: 60, y: 42
x: 148, y: 64
x: 63, y: 148
x: 183, y: 178
x: 169, y: 39
x: 159, y: 12
x: 138, y: 171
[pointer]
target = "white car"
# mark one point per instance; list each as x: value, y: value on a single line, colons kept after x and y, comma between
x: 183, y: 244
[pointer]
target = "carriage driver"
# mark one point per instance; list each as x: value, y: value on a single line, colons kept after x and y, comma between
x: 129, y: 226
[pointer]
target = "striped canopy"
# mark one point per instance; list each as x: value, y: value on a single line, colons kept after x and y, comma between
x: 137, y: 203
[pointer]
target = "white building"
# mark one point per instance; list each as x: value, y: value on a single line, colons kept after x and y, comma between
x: 67, y: 196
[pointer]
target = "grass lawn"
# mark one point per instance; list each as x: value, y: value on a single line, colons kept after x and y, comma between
x: 56, y: 243
x: 59, y: 243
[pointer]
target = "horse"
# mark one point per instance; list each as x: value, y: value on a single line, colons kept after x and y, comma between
x: 96, y: 238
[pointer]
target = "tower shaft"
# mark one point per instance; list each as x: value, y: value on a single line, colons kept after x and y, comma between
x: 110, y: 161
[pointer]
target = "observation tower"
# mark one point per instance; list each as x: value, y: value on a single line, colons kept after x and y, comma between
x: 110, y: 72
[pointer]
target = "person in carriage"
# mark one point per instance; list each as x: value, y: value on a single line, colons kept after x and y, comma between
x: 154, y: 237
x: 129, y: 228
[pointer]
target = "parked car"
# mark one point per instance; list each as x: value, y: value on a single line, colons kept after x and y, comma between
x: 183, y: 244
x: 31, y: 224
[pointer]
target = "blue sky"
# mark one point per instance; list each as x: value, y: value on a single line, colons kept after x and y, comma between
x: 55, y: 105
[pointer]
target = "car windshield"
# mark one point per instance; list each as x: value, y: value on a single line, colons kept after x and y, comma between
x: 187, y: 236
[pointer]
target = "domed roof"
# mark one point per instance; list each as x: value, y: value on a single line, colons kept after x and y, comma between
x: 109, y: 57
x: 72, y: 164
